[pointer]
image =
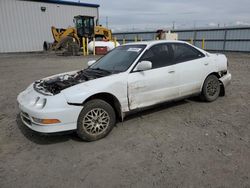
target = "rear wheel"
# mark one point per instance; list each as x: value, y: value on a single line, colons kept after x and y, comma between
x: 211, y: 89
x: 96, y: 120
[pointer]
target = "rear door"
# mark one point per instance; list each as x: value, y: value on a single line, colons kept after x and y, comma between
x: 153, y: 86
x: 191, y: 65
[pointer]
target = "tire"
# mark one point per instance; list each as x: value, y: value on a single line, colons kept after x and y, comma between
x: 96, y: 120
x: 211, y: 89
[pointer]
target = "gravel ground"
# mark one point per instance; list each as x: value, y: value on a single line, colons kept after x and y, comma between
x: 183, y: 144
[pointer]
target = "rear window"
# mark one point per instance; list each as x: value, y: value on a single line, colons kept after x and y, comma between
x: 184, y: 52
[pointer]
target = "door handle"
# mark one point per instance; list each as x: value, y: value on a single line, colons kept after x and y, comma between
x: 171, y: 72
x: 206, y: 63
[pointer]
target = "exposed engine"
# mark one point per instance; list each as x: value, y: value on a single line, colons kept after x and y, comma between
x: 55, y: 85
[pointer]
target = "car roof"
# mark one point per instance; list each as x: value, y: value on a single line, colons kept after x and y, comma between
x: 153, y: 42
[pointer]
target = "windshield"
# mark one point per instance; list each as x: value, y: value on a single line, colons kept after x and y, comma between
x: 119, y: 59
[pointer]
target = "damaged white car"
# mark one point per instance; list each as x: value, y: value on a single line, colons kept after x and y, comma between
x: 132, y: 76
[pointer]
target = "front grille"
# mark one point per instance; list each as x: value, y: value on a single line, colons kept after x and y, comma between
x: 25, y: 114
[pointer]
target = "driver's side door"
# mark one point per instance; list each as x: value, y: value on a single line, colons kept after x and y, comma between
x: 159, y: 84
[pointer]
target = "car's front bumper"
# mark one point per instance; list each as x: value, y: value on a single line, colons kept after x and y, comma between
x: 56, y: 108
x: 44, y: 128
x: 226, y: 79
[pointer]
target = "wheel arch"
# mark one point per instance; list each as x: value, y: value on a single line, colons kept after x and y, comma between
x: 110, y: 99
x: 222, y: 87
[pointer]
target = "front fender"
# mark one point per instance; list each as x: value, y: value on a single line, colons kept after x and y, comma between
x: 115, y: 85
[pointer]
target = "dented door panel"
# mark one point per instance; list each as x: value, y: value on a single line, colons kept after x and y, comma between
x: 152, y: 86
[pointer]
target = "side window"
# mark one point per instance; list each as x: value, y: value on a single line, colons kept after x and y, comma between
x: 160, y: 56
x: 184, y: 52
x: 78, y: 23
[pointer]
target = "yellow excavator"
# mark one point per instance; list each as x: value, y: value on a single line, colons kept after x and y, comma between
x: 69, y: 41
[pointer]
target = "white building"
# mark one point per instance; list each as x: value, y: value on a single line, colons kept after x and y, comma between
x: 26, y: 24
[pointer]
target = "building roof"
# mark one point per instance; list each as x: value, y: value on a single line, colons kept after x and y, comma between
x: 67, y: 3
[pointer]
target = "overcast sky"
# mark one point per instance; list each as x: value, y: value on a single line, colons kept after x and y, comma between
x: 153, y: 14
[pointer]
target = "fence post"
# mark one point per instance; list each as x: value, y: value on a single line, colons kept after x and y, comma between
x: 191, y: 41
x: 203, y: 43
x: 115, y: 42
x: 195, y: 36
x: 87, y: 49
x: 83, y: 46
x: 94, y: 46
x: 225, y: 40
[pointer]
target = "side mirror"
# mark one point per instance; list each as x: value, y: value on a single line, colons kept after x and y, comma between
x: 91, y: 62
x: 143, y: 65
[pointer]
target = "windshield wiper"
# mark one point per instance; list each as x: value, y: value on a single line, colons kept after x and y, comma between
x: 102, y: 70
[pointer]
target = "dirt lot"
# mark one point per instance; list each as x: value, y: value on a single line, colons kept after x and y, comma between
x: 182, y: 144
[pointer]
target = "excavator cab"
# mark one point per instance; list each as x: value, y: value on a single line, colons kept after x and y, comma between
x: 85, y: 26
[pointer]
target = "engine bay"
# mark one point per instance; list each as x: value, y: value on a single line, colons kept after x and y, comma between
x: 55, y: 85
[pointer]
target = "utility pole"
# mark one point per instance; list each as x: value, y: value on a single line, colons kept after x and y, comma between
x: 107, y: 21
x: 173, y: 25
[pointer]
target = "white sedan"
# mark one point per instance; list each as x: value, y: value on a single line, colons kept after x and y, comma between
x: 130, y: 77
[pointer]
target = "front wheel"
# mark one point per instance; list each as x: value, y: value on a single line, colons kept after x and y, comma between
x: 96, y: 120
x: 211, y: 89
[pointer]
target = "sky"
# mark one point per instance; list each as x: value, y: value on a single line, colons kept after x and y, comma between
x: 133, y: 15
